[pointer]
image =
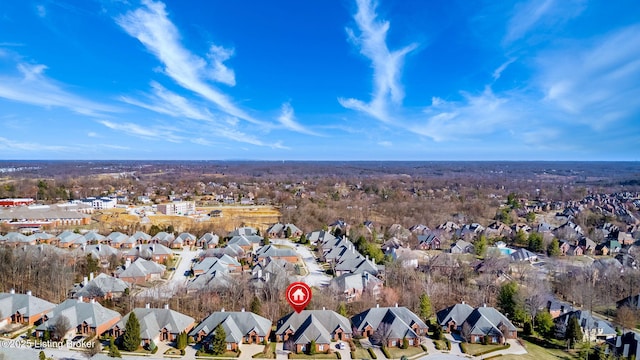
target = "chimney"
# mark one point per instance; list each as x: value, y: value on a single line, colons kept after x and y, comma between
x: 90, y: 276
x: 323, y: 308
x: 92, y: 301
x: 377, y: 306
x: 396, y: 304
x: 242, y: 310
x: 85, y: 280
x: 222, y: 310
x: 12, y: 291
x: 28, y: 292
x: 80, y: 299
x: 484, y: 305
x: 147, y: 306
x: 462, y: 302
x: 166, y: 306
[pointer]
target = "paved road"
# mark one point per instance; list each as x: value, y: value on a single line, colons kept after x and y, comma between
x: 177, y: 281
x: 316, y: 276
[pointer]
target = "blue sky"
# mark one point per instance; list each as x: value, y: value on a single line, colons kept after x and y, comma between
x: 320, y: 80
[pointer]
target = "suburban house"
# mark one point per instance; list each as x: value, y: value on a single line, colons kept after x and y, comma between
x: 93, y: 237
x: 627, y: 345
x: 156, y: 252
x: 297, y: 330
x: 240, y: 327
x: 224, y: 262
x: 141, y: 271
x: 156, y: 324
x: 389, y: 326
x: 352, y: 286
x: 632, y: 301
x: 461, y: 247
x: 248, y: 243
x: 429, y: 241
x: 184, y: 239
x: 22, y: 308
x: 208, y: 241
x: 280, y: 231
x: 273, y: 252
x: 141, y: 237
x: 319, y: 237
x: 477, y: 325
x: 268, y: 269
x: 592, y: 328
x: 523, y: 255
x: 101, y: 287
x: 120, y: 241
x: 247, y: 231
x: 85, y: 318
x: 164, y: 238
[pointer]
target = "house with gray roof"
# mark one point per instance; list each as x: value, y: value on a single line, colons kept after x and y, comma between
x: 240, y: 327
x: 523, y: 255
x: 487, y: 323
x: 451, y: 318
x: 141, y: 271
x: 246, y: 230
x: 279, y: 230
x: 22, y: 308
x: 297, y: 330
x: 388, y: 326
x: 351, y: 286
x: 320, y: 237
x: 461, y: 247
x: 93, y: 237
x: 592, y: 328
x: 155, y: 324
x: 627, y: 346
x: 208, y: 241
x: 70, y: 239
x: 164, y: 238
x: 271, y: 251
x: 100, y: 251
x: 85, y: 318
x: 155, y: 252
x: 119, y: 240
x: 102, y: 286
x: 214, y: 278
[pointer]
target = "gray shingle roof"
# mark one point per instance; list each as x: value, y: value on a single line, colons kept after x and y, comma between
x: 79, y: 312
x: 105, y: 283
x: 27, y: 305
x: 236, y: 325
x: 397, y: 321
x: 458, y: 313
x: 313, y: 324
x: 154, y: 320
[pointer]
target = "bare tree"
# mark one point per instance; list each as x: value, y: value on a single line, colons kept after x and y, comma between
x: 61, y: 327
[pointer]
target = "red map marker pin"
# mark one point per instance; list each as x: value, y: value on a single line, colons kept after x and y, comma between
x: 298, y: 296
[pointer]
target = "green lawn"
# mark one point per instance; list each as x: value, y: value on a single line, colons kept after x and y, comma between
x: 440, y: 345
x: 475, y: 349
x: 535, y: 352
x: 270, y: 352
x: 396, y: 353
x: 315, y: 356
x: 361, y: 353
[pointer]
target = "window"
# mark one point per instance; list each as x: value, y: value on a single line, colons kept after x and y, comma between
x: 321, y: 347
x: 228, y: 346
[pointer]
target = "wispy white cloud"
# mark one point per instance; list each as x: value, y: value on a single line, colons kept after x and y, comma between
x: 166, y: 102
x: 288, y: 120
x: 155, y: 132
x: 386, y: 144
x: 530, y: 15
x: 498, y: 72
x: 41, y: 11
x: 93, y: 134
x: 386, y: 64
x: 11, y: 146
x: 153, y: 28
x: 594, y: 83
x: 34, y: 88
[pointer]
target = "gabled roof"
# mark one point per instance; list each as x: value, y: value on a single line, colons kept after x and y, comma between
x: 487, y: 321
x: 587, y: 321
x: 79, y: 312
x: 457, y: 313
x: 397, y: 322
x: 104, y: 283
x: 27, y: 305
x: 359, y: 281
x: 93, y: 236
x: 142, y: 268
x: 186, y: 236
x: 523, y: 255
x: 313, y: 324
x: 236, y: 324
x: 139, y: 235
x: 243, y: 231
x: 272, y: 251
x: 100, y: 250
x: 152, y: 321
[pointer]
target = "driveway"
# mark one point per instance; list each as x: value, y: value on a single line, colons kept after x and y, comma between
x: 177, y: 279
x: 316, y: 276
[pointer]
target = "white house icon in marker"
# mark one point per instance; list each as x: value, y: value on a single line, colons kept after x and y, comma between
x: 299, y: 295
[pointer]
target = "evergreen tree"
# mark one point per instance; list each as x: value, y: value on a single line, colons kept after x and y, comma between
x: 219, y: 342
x: 437, y: 332
x: 480, y: 245
x: 113, y: 349
x: 42, y: 355
x: 425, y: 306
x: 342, y: 309
x: 256, y: 306
x: 553, y: 249
x: 265, y: 240
x: 521, y: 238
x: 131, y: 338
x: 312, y: 347
x: 181, y: 341
x: 535, y: 242
x: 544, y: 324
x: 303, y: 239
x: 405, y: 343
x: 573, y: 332
x: 287, y: 232
x: 508, y: 302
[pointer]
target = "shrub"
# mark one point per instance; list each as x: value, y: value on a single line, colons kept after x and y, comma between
x: 385, y: 351
x: 372, y: 354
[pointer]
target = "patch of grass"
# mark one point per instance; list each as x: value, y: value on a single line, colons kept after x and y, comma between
x: 440, y: 345
x: 269, y: 352
x: 536, y: 352
x: 396, y: 353
x: 226, y: 354
x: 360, y: 353
x: 314, y: 356
x: 480, y: 349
